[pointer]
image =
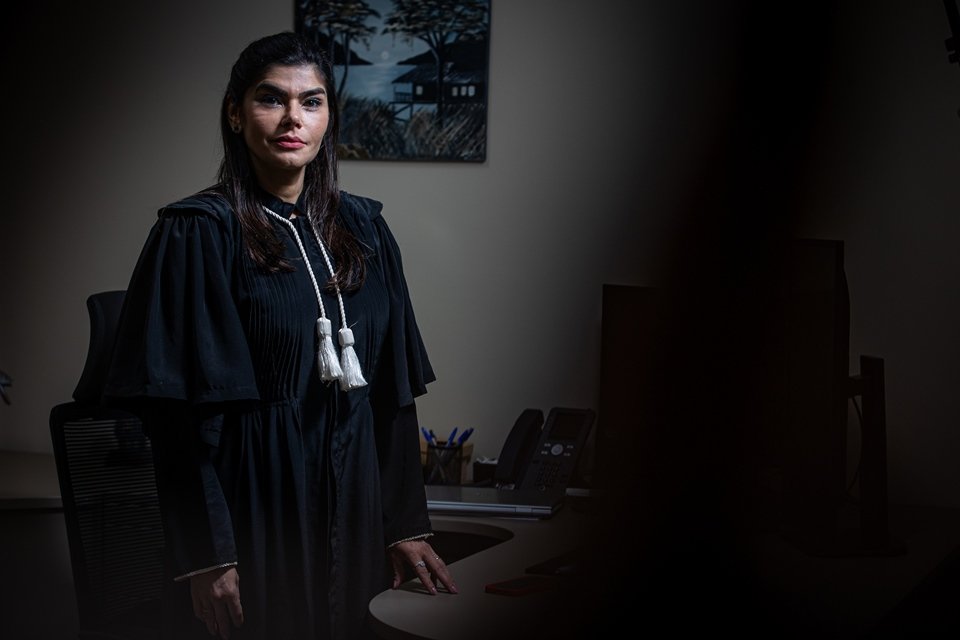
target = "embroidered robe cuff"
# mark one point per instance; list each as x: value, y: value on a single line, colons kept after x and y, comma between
x: 422, y: 536
x: 204, y: 570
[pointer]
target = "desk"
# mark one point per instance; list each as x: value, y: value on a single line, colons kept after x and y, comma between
x: 846, y: 597
x: 37, y: 599
x: 409, y: 612
x: 29, y: 481
x: 857, y: 596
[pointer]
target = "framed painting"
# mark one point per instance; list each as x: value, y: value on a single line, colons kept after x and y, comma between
x: 411, y: 75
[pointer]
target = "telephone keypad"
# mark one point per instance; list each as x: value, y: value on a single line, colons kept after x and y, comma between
x: 552, y: 459
x: 548, y: 474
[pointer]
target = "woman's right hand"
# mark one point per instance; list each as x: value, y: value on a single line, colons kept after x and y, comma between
x: 216, y: 600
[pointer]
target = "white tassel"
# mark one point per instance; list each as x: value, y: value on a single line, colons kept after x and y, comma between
x: 346, y: 369
x: 327, y: 354
x: 352, y: 375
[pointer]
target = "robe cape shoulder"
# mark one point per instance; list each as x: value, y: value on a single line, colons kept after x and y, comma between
x: 181, y: 338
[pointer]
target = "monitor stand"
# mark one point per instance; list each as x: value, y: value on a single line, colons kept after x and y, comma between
x: 863, y: 530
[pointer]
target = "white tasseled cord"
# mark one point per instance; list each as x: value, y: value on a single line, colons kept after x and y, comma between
x: 349, y: 363
x: 326, y: 353
x: 347, y: 371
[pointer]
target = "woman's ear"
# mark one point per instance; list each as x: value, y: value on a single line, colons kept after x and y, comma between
x: 233, y: 116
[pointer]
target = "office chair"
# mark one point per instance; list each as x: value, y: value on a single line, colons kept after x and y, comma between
x: 110, y: 504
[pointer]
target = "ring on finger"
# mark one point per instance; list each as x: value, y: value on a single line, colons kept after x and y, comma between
x: 420, y: 564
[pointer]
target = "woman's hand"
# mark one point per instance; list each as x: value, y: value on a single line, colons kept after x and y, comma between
x: 427, y: 564
x: 216, y: 600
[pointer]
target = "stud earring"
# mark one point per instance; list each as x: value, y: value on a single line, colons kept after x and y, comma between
x: 236, y: 128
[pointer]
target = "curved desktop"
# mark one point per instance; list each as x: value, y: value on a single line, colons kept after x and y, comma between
x: 513, y: 545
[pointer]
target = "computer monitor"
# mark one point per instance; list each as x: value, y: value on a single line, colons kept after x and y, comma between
x: 629, y: 325
x: 808, y: 432
x: 790, y: 387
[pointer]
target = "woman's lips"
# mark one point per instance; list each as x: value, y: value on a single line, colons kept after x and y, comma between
x: 289, y: 143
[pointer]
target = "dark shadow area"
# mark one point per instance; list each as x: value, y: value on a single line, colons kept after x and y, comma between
x: 37, y: 601
x: 676, y: 532
x: 931, y: 609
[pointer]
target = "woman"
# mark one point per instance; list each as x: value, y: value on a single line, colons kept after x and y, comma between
x: 288, y: 466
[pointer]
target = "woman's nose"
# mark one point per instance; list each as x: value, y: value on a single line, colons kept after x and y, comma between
x: 293, y: 117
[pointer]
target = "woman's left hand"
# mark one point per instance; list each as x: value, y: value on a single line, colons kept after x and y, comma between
x: 429, y: 567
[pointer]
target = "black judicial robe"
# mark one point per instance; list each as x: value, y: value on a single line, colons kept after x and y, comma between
x: 258, y: 461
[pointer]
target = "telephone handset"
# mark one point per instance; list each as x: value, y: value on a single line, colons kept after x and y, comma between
x: 518, y: 449
x: 542, y: 454
x: 5, y: 381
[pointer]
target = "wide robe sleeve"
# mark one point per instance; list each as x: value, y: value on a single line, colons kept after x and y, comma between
x: 180, y: 361
x: 403, y: 372
x: 180, y: 335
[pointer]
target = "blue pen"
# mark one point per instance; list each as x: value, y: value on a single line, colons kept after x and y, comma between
x: 451, y: 441
x: 427, y: 435
x: 464, y: 436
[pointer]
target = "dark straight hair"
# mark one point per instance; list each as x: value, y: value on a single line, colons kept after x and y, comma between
x: 321, y: 191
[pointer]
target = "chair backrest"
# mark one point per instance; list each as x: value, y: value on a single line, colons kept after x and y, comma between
x: 110, y: 505
x: 104, y: 311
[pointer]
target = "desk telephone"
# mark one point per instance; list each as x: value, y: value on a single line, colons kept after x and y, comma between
x: 543, y: 455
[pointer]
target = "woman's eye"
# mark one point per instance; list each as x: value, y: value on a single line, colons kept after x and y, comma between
x: 313, y: 103
x: 268, y: 99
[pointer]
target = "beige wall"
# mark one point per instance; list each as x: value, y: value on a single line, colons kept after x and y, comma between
x: 596, y: 112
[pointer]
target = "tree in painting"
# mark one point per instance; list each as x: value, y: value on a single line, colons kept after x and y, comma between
x: 439, y: 24
x: 419, y: 91
x: 335, y: 26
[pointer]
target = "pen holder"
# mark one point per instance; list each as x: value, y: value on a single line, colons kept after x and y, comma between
x: 445, y: 465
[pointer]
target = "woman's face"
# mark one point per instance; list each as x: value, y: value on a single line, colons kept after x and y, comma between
x: 283, y: 118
